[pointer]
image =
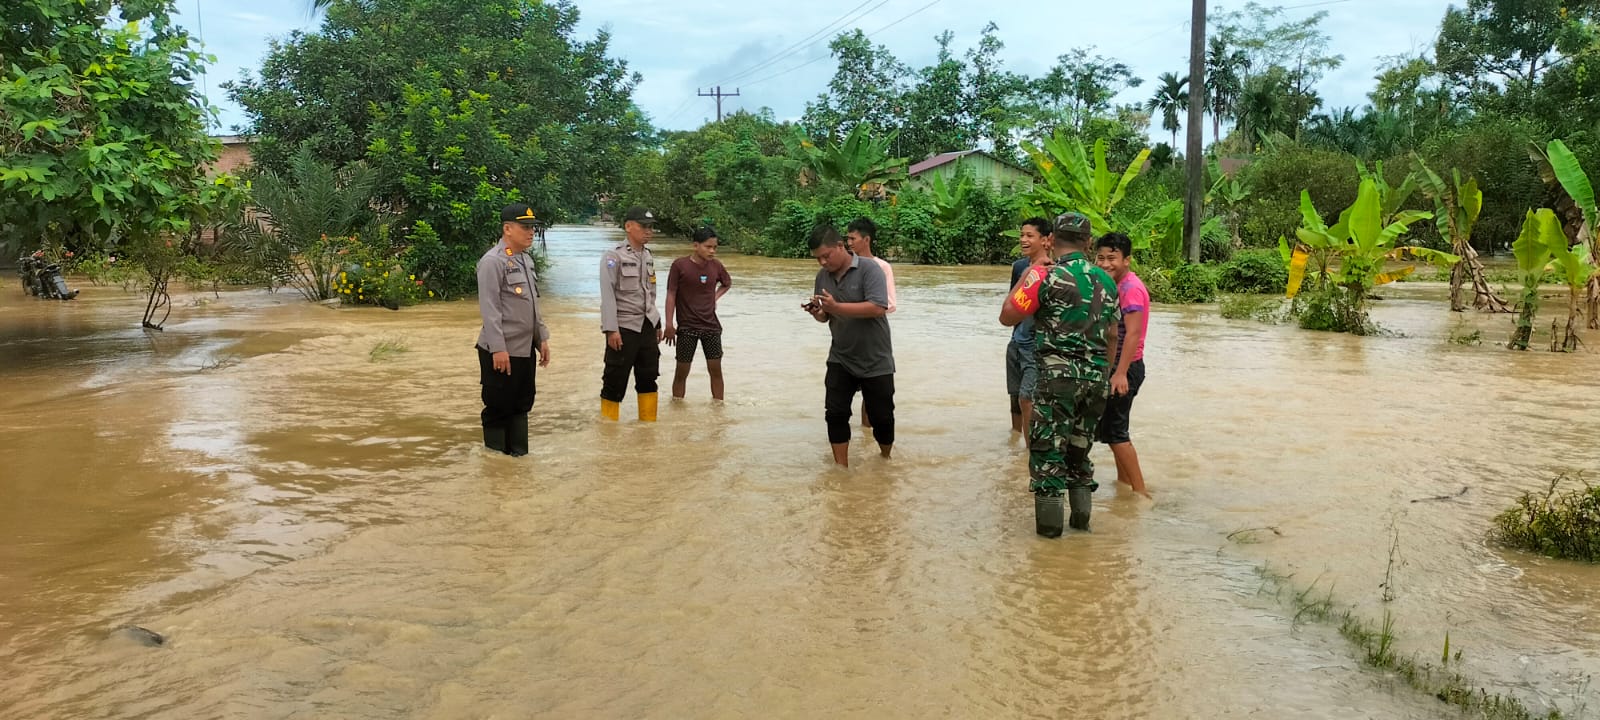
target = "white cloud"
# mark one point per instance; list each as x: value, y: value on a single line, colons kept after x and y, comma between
x: 693, y: 44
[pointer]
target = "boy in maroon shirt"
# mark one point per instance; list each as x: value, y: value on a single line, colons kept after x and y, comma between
x: 694, y: 285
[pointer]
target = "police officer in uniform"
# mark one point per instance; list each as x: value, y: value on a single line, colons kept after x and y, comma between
x: 513, y: 327
x: 629, y: 319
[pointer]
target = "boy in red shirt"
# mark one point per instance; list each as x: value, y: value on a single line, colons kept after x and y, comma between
x: 694, y: 285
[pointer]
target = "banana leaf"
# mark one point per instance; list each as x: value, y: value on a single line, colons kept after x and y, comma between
x: 1530, y: 249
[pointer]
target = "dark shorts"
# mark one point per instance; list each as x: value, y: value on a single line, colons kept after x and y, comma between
x: 1022, y: 371
x: 711, y: 340
x: 1114, y: 423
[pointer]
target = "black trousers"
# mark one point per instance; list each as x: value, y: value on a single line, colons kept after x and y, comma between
x: 641, y: 355
x: 505, y: 396
x: 877, y: 394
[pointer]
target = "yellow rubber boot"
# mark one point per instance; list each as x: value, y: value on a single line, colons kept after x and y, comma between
x: 610, y: 410
x: 647, y: 407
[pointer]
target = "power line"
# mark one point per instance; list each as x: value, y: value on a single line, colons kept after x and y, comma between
x: 908, y: 16
x: 844, y: 19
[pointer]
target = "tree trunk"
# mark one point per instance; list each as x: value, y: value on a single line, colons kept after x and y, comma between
x: 1483, y: 296
x: 159, y: 300
x: 1569, y: 339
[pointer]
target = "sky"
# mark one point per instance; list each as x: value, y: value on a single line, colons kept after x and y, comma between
x: 762, y: 51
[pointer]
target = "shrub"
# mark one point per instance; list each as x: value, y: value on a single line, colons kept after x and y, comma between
x: 1560, y: 526
x: 1189, y: 284
x: 1254, y: 271
x: 370, y: 275
x: 1492, y: 149
x: 1328, y: 308
x: 1276, y: 179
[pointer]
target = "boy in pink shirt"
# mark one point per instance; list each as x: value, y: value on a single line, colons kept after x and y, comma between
x: 1113, y: 251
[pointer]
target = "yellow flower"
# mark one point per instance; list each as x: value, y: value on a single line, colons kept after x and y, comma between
x: 343, y: 276
x: 413, y: 277
x: 430, y: 293
x: 386, y: 274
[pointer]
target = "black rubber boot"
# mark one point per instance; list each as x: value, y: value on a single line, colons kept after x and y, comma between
x: 517, y: 436
x: 1047, y: 515
x: 494, y: 438
x: 1082, y: 501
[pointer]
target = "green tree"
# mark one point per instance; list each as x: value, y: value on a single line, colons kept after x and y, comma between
x: 1509, y: 39
x: 867, y: 87
x: 1296, y: 51
x: 937, y: 117
x: 460, y: 106
x: 1081, y: 87
x: 103, y: 132
x: 1226, y: 66
x: 994, y: 94
x: 1170, y: 99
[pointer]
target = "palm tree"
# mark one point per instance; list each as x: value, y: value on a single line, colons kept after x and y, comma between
x: 1262, y: 110
x: 1225, y: 68
x: 1171, y: 98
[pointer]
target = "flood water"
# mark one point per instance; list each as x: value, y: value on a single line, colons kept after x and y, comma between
x: 319, y: 535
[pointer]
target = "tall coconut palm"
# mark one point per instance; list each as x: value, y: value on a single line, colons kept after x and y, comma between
x: 1171, y: 98
x: 1225, y: 69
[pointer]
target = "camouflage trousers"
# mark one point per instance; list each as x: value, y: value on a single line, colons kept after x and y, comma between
x: 1065, y: 414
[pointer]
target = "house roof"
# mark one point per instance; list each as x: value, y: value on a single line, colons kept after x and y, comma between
x: 950, y: 157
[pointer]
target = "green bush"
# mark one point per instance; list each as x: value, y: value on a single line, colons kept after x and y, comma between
x: 1188, y: 284
x: 1565, y: 525
x: 789, y: 230
x: 1275, y: 180
x: 1254, y: 271
x: 1329, y: 308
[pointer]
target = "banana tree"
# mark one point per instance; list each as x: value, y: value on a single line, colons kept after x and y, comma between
x: 1576, y: 269
x: 949, y: 198
x: 1575, y: 208
x: 1532, y: 249
x: 1390, y: 198
x: 1227, y: 195
x: 1456, y: 208
x: 860, y: 161
x: 1361, y: 243
x: 1069, y: 182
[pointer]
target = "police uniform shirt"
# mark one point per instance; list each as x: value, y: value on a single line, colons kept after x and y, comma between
x: 627, y: 289
x: 508, y: 299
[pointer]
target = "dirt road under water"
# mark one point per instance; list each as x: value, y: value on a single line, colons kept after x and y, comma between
x: 319, y: 535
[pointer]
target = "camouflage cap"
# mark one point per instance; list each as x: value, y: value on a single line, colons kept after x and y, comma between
x: 1073, y: 223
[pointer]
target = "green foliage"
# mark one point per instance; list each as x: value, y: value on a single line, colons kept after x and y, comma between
x: 911, y: 227
x: 1189, y: 283
x: 1276, y: 179
x: 859, y: 161
x: 1540, y: 231
x: 371, y: 274
x: 1362, y: 242
x: 1564, y: 525
x: 1261, y: 308
x: 459, y: 106
x: 1491, y: 149
x: 298, y: 211
x: 1328, y: 308
x: 1254, y: 271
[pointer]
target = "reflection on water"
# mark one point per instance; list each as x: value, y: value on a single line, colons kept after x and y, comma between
x: 319, y: 535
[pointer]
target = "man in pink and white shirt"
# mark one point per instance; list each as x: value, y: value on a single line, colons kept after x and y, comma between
x: 1113, y: 251
x: 859, y: 235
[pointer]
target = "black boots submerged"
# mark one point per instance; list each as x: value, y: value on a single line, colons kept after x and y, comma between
x: 1048, y: 511
x: 511, y: 439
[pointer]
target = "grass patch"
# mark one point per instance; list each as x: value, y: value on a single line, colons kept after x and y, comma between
x: 1472, y: 338
x: 1376, y: 643
x: 388, y: 348
x: 1564, y: 525
x: 1261, y: 308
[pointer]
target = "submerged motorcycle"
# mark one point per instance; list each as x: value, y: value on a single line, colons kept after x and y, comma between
x: 42, y: 278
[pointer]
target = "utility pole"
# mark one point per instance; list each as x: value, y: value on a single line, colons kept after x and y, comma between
x: 719, y: 95
x: 1194, y: 202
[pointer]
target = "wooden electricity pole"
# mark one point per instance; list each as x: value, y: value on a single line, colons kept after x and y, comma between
x: 1194, y: 201
x: 719, y: 95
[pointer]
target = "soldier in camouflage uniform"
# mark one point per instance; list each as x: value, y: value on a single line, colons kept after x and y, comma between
x: 1074, y: 308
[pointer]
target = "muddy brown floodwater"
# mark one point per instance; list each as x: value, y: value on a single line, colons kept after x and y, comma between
x: 319, y: 535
